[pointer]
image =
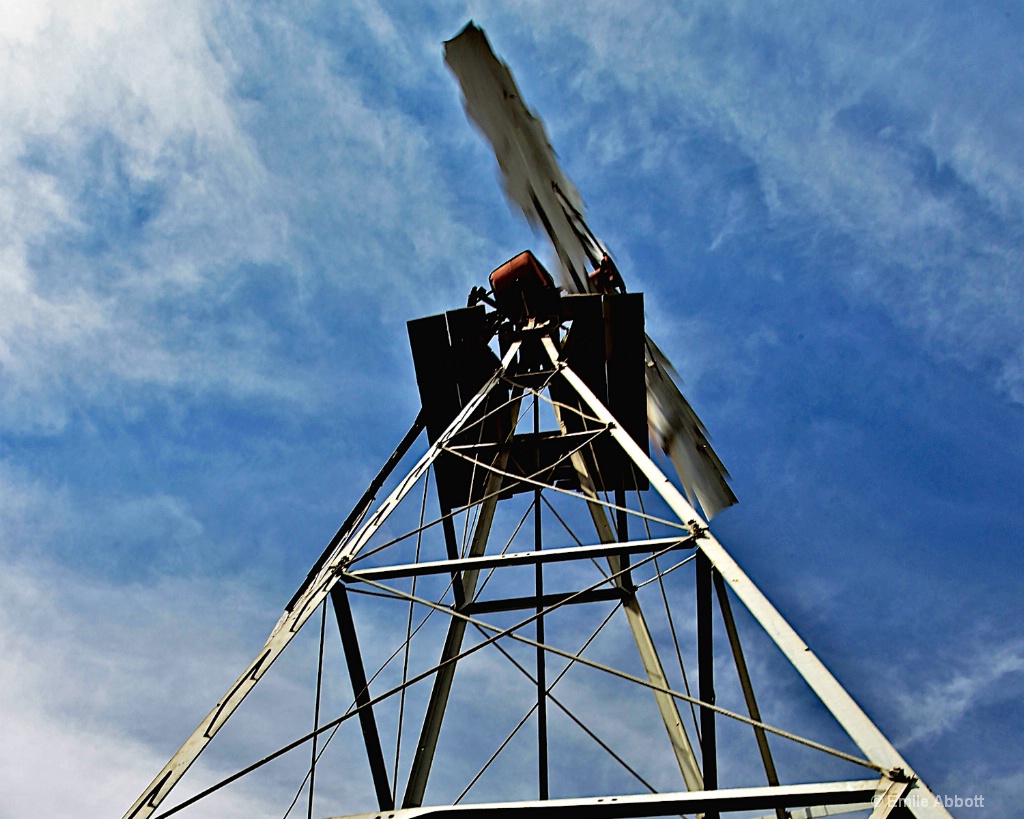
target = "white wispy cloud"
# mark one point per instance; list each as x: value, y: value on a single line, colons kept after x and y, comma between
x: 151, y: 196
x: 82, y: 734
x: 115, y: 104
x: 944, y: 702
x: 103, y: 679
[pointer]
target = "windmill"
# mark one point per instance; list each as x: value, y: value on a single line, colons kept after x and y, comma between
x: 539, y: 404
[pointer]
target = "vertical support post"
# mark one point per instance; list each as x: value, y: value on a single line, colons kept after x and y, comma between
x: 316, y: 708
x: 622, y: 532
x: 361, y: 691
x: 706, y: 672
x: 681, y: 747
x: 748, y: 688
x: 427, y: 743
x: 542, y: 705
x: 621, y: 518
x: 451, y: 543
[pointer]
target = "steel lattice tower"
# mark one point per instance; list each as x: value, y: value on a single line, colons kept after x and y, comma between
x: 536, y: 501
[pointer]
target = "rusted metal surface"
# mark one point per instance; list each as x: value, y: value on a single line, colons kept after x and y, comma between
x: 524, y: 290
x: 605, y: 346
x: 453, y: 361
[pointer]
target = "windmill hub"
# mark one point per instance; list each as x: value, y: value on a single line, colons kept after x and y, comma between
x: 603, y: 342
x: 524, y: 291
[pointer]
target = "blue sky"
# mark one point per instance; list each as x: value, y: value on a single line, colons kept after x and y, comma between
x: 216, y: 218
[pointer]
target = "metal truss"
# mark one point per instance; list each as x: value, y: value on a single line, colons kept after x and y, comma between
x: 373, y: 555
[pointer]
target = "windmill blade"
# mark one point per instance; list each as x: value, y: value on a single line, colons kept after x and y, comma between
x: 529, y: 167
x: 676, y: 428
x: 534, y: 180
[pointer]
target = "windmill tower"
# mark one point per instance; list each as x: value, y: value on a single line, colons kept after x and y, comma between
x: 536, y: 531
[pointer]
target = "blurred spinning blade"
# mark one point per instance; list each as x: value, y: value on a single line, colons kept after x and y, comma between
x: 536, y: 183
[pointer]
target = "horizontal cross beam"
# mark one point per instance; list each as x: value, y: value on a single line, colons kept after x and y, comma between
x: 656, y: 804
x: 545, y: 601
x: 521, y: 558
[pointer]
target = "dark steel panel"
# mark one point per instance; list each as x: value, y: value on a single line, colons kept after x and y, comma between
x: 453, y: 361
x: 434, y: 362
x: 475, y: 362
x: 605, y: 348
x: 584, y: 345
x: 624, y: 351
